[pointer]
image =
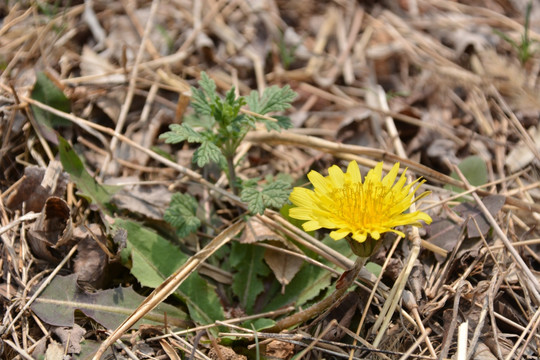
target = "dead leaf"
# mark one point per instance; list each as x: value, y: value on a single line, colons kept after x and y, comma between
x: 493, y: 203
x: 169, y: 350
x: 279, y: 349
x: 150, y: 201
x: 284, y: 266
x: 31, y: 192
x: 256, y: 231
x: 71, y: 337
x: 54, y: 351
x: 51, y: 233
x: 445, y: 232
x: 91, y: 260
x: 521, y: 154
x: 220, y: 352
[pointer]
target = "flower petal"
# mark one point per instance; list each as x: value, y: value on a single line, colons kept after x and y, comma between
x: 311, y: 226
x: 319, y: 182
x: 302, y: 197
x: 391, y: 176
x: 336, y: 176
x: 339, y: 234
x: 353, y: 171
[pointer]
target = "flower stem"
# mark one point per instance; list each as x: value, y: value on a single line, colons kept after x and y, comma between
x: 322, y: 306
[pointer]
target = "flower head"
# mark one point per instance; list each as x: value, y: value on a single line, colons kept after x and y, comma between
x: 341, y: 201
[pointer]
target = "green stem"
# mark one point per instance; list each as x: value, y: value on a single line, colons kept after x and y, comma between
x: 232, y: 174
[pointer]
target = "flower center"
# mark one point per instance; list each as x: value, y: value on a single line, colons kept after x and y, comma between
x: 360, y: 205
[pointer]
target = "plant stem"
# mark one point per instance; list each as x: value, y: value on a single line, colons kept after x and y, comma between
x: 323, y: 305
x: 232, y: 174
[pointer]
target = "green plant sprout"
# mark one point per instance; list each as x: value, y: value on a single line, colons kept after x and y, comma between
x: 219, y: 127
x: 286, y: 53
x: 524, y: 48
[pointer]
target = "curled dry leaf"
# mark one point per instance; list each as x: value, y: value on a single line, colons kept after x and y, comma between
x: 51, y: 234
x: 32, y: 192
x: 91, y: 260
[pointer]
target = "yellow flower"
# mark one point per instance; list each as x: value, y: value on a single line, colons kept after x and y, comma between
x: 342, y: 202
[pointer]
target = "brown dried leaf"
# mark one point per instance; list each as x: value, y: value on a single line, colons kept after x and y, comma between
x: 279, y: 349
x: 91, y: 260
x: 71, y: 337
x: 445, y: 232
x: 283, y: 265
x: 150, y: 201
x: 52, y: 231
x: 220, y: 352
x: 32, y: 192
x: 257, y: 231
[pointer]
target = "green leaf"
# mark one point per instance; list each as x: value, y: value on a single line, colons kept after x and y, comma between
x: 373, y: 268
x: 153, y: 259
x: 475, y: 171
x: 258, y: 324
x: 180, y: 133
x: 203, y: 99
x: 254, y: 198
x: 207, y: 84
x: 200, y: 102
x: 89, y: 187
x: 274, y: 98
x: 276, y: 193
x: 62, y: 297
x: 198, y: 120
x: 182, y: 214
x: 273, y: 194
x: 46, y: 92
x: 248, y: 260
x: 208, y: 152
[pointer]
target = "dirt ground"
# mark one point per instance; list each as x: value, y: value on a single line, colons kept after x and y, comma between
x: 99, y: 214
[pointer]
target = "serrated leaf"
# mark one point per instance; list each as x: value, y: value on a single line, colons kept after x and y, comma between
x: 203, y: 99
x: 59, y: 300
x: 46, y: 92
x: 207, y: 84
x: 181, y: 214
x: 199, y: 120
x: 276, y: 193
x: 181, y: 132
x: 274, y: 98
x: 273, y: 194
x: 254, y: 199
x: 89, y: 187
x: 154, y: 259
x: 247, y: 284
x: 200, y: 102
x: 208, y: 152
x: 283, y: 122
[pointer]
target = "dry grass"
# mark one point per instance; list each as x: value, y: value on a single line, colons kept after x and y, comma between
x: 426, y: 83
